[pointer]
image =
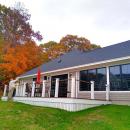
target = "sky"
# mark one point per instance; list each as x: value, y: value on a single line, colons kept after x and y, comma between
x: 103, y: 22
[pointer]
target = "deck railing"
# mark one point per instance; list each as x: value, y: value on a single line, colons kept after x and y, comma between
x: 43, y: 89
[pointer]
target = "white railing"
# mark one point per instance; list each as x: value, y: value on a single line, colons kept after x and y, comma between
x: 21, y: 89
x: 5, y: 91
x: 92, y: 90
x: 107, y: 92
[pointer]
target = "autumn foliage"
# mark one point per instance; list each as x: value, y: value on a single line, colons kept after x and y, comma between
x: 22, y: 58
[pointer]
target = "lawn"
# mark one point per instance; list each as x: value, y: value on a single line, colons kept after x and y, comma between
x: 18, y: 116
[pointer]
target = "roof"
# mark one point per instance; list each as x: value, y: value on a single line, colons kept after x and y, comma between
x: 76, y: 57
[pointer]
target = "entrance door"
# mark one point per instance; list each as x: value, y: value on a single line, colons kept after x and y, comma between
x: 63, y: 83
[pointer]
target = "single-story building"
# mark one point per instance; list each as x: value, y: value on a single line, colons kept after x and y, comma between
x: 100, y: 74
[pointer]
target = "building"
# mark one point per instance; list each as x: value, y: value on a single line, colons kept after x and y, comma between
x: 101, y: 74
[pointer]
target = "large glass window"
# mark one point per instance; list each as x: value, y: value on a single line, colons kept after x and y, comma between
x: 97, y: 75
x: 115, y: 78
x: 101, y: 80
x: 126, y: 77
x: 120, y: 78
x: 84, y: 86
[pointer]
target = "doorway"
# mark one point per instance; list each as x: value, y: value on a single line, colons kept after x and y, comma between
x: 63, y: 84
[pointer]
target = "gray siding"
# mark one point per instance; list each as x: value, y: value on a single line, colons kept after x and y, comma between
x: 114, y: 96
x: 120, y: 96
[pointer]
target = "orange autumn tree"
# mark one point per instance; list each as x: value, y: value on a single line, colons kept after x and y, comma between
x: 22, y: 58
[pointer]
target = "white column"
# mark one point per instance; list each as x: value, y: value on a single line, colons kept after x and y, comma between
x: 19, y: 90
x: 24, y: 89
x: 92, y: 89
x: 43, y: 88
x: 57, y: 87
x: 73, y: 87
x: 108, y: 84
x: 16, y: 90
x: 5, y: 89
x: 107, y: 92
x: 77, y: 84
x: 33, y: 89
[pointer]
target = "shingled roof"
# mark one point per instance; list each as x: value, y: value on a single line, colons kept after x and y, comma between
x: 76, y: 57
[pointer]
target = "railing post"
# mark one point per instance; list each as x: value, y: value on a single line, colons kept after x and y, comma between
x: 19, y: 90
x: 16, y: 90
x: 57, y: 87
x: 92, y: 89
x: 73, y: 87
x: 33, y: 89
x: 5, y: 90
x: 24, y: 89
x: 43, y: 88
x: 108, y: 84
x: 107, y: 92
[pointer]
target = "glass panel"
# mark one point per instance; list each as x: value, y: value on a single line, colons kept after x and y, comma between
x: 115, y: 78
x: 91, y: 75
x: 85, y: 77
x: 83, y: 81
x: 126, y: 77
x: 100, y: 84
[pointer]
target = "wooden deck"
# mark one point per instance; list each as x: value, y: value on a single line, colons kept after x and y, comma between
x: 68, y: 104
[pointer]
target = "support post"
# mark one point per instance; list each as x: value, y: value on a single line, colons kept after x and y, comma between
x: 19, y: 90
x: 16, y: 90
x: 107, y: 92
x: 92, y: 89
x: 43, y: 88
x: 57, y: 87
x: 73, y: 87
x: 77, y: 84
x: 24, y: 89
x: 5, y: 90
x: 33, y: 89
x: 108, y: 85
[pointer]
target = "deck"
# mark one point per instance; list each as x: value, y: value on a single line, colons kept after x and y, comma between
x: 68, y: 104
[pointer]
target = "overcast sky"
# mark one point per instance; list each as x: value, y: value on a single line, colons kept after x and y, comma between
x: 103, y: 22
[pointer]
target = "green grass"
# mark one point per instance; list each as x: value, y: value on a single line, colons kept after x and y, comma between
x: 18, y: 116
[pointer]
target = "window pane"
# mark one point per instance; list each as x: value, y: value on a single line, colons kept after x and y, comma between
x: 126, y: 77
x: 84, y: 86
x: 100, y: 84
x: 115, y: 78
x: 91, y: 75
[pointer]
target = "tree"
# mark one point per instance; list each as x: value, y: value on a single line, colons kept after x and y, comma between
x: 75, y: 42
x: 47, y: 46
x: 22, y: 58
x: 56, y: 50
x: 94, y: 46
x: 15, y: 27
